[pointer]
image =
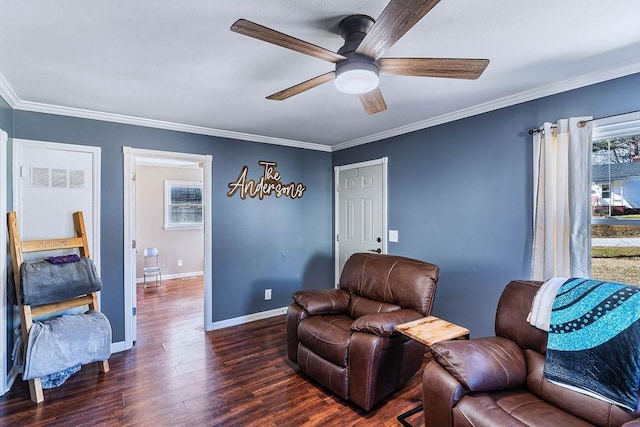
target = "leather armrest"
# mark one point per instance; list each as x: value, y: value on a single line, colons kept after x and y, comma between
x: 632, y: 423
x: 382, y: 324
x: 320, y: 301
x: 483, y: 364
x: 440, y: 393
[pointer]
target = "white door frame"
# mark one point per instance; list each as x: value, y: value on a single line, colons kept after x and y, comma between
x: 336, y: 170
x: 3, y: 266
x: 130, y: 156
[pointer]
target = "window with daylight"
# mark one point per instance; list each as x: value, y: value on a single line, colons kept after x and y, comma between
x: 615, y: 200
x: 182, y: 204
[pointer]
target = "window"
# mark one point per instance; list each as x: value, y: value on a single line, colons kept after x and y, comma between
x: 615, y: 200
x: 182, y: 204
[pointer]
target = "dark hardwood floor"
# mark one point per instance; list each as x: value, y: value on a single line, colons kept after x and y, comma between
x: 178, y: 375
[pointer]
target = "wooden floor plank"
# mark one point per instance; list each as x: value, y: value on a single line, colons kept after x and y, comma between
x: 178, y: 375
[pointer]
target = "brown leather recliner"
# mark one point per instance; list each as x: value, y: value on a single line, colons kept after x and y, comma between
x: 344, y: 338
x: 498, y: 381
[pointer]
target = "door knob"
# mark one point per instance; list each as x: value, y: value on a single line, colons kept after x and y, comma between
x: 376, y: 250
x: 378, y: 240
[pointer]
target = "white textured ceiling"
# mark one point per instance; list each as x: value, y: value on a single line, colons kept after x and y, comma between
x: 175, y: 64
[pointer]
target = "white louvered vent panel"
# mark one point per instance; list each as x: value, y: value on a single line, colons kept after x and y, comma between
x: 59, y: 178
x: 39, y: 177
x: 76, y: 178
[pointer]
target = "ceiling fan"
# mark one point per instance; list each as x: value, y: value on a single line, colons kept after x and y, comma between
x: 359, y: 61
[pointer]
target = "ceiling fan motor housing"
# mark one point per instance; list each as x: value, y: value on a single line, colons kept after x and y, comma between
x: 357, y: 74
x: 352, y: 29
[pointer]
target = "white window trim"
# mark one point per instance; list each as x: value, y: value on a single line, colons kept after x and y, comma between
x: 618, y: 126
x: 168, y: 185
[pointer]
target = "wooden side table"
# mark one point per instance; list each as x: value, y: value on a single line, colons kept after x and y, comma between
x: 429, y: 330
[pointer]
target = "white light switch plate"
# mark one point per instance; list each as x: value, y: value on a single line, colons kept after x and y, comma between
x: 393, y: 235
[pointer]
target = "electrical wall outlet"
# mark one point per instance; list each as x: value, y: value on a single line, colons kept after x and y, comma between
x: 393, y: 235
x: 267, y: 294
x: 179, y: 263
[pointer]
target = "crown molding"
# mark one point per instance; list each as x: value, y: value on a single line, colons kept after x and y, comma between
x: 37, y: 107
x: 7, y: 93
x: 529, y: 95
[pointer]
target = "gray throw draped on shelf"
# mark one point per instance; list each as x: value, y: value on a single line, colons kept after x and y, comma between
x: 44, y: 283
x: 66, y: 341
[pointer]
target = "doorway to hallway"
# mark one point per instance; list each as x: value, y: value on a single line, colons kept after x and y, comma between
x: 131, y: 158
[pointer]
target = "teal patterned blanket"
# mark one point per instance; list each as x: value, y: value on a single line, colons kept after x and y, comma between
x: 594, y: 340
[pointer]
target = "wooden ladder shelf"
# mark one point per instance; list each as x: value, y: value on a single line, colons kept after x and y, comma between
x: 27, y: 313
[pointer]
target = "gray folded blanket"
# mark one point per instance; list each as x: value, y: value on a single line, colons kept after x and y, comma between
x: 66, y: 341
x: 44, y: 283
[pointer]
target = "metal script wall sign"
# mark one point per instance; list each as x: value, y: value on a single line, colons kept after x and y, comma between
x: 269, y: 184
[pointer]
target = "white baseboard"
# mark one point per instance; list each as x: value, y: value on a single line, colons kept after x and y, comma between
x: 247, y: 319
x: 175, y: 276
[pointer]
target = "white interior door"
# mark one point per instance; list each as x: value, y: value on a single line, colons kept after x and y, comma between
x: 51, y: 181
x: 361, y: 210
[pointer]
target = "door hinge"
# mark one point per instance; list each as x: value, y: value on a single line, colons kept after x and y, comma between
x: 133, y: 244
x: 337, y: 237
x: 135, y: 310
x: 21, y: 171
x: 133, y: 176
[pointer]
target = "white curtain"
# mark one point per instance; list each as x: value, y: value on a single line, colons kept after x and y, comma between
x: 561, y: 200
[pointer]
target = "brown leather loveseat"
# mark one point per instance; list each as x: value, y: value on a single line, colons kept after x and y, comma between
x: 498, y: 381
x: 344, y: 338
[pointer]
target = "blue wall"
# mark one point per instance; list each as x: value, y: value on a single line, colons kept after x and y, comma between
x: 460, y: 194
x: 281, y: 244
x: 6, y: 117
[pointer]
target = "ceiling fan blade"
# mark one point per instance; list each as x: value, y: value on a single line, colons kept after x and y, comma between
x: 394, y: 21
x: 257, y: 31
x: 301, y: 87
x: 373, y: 102
x: 453, y: 68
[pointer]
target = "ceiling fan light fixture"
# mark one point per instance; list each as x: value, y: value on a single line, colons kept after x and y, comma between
x: 356, y: 78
